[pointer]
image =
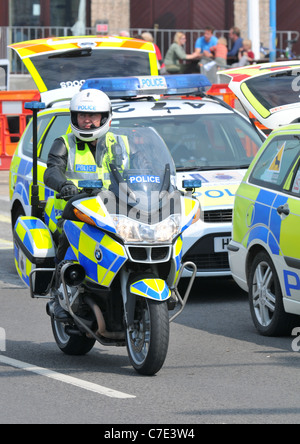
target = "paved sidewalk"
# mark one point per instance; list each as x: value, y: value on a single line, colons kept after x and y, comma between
x: 4, y: 186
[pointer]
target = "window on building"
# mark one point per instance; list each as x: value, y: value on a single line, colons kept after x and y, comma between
x: 53, y: 13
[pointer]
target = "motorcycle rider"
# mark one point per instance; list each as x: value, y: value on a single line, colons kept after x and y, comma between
x: 76, y: 156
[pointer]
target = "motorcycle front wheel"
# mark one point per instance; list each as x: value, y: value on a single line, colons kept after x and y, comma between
x: 72, y: 345
x: 148, y: 340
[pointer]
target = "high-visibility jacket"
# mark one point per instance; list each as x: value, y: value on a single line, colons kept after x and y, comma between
x: 82, y: 165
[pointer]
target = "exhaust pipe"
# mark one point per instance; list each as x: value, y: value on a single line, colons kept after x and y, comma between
x: 74, y: 275
x: 101, y: 322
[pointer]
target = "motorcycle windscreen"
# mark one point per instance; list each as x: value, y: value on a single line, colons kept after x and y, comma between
x: 270, y: 91
x: 143, y: 163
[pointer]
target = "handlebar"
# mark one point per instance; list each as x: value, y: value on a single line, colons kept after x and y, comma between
x: 85, y: 190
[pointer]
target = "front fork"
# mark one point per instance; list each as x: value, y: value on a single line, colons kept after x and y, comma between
x: 175, y: 299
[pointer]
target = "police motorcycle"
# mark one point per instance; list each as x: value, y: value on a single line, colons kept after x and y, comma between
x: 119, y: 279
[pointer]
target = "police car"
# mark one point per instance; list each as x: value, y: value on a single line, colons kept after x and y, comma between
x: 209, y: 142
x: 265, y: 249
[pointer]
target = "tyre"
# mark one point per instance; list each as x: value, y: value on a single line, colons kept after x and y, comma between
x: 266, y: 301
x: 71, y: 344
x: 148, y: 342
x: 15, y: 214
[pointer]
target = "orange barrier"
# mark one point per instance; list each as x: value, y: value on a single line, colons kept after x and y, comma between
x: 13, y: 121
x: 259, y: 125
x: 221, y: 90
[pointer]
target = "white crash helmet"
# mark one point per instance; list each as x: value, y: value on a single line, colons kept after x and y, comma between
x: 91, y: 101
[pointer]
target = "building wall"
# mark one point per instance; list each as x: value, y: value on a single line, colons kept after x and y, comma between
x: 179, y: 15
x: 116, y: 12
x: 196, y: 14
x: 241, y: 19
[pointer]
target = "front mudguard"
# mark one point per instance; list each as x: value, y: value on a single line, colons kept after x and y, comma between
x: 149, y: 287
x: 157, y: 289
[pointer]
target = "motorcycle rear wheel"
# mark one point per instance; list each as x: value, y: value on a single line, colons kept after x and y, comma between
x: 147, y: 343
x: 72, y: 345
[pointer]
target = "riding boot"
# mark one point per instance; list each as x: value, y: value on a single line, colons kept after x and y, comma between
x: 59, y: 313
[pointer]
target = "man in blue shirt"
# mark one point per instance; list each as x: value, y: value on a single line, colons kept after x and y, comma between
x: 237, y: 42
x: 204, y: 43
x: 202, y: 49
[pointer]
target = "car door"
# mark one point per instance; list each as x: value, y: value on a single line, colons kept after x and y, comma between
x: 277, y: 172
x: 290, y: 234
x: 273, y: 175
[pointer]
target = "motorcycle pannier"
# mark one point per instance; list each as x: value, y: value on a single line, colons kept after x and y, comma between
x: 33, y: 248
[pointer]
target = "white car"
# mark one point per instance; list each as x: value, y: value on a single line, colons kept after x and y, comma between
x: 209, y: 141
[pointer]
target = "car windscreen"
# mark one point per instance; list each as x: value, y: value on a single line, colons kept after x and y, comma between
x: 73, y: 68
x: 275, y: 90
x: 204, y: 141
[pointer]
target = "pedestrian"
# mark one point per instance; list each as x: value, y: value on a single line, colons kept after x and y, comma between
x: 220, y: 52
x: 124, y: 33
x: 176, y: 55
x: 203, y: 44
x: 237, y: 43
x: 245, y: 55
x: 148, y: 37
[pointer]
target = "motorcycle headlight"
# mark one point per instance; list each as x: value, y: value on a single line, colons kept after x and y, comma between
x: 133, y: 231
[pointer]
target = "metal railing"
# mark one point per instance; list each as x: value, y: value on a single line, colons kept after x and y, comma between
x: 162, y: 37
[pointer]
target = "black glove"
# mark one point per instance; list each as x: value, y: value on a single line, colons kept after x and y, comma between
x: 68, y: 190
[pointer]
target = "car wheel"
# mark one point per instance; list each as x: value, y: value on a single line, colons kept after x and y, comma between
x: 266, y: 301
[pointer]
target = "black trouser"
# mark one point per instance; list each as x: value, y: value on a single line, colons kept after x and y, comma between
x: 63, y: 243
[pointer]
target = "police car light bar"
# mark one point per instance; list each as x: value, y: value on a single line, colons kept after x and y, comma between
x: 116, y: 87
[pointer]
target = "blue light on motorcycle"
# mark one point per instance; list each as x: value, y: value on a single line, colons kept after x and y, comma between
x: 134, y: 86
x: 188, y: 184
x: 34, y: 105
x: 90, y: 184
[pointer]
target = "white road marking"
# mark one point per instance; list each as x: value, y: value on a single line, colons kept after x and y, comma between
x: 64, y: 378
x: 6, y: 245
x: 5, y: 219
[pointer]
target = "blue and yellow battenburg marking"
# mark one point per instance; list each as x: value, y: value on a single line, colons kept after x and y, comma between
x: 33, y: 246
x: 177, y: 256
x: 266, y: 222
x: 96, y: 210
x: 100, y: 255
x: 190, y: 206
x: 23, y: 168
x: 51, y: 215
x: 155, y: 289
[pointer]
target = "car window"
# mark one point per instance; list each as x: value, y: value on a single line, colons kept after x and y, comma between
x: 274, y: 89
x: 204, y: 141
x: 72, y: 69
x: 296, y: 183
x: 27, y: 141
x: 275, y: 163
x: 58, y: 128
